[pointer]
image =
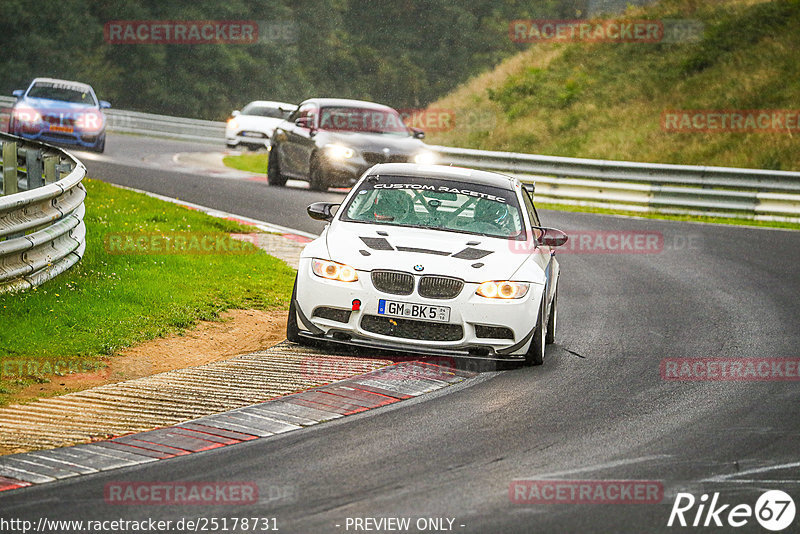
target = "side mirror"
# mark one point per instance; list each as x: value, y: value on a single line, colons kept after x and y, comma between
x: 321, y: 211
x: 304, y: 122
x: 18, y: 92
x: 530, y: 187
x: 417, y: 133
x: 235, y: 113
x: 552, y: 237
x: 105, y: 104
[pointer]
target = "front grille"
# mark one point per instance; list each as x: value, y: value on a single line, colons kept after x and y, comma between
x: 334, y: 314
x: 393, y: 282
x: 58, y: 136
x: 254, y: 135
x: 64, y: 121
x: 377, y: 157
x: 411, y: 329
x: 440, y: 287
x: 493, y: 332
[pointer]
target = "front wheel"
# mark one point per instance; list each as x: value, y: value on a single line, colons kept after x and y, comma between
x: 552, y: 321
x: 535, y: 354
x: 316, y: 178
x: 274, y: 176
x: 100, y: 147
x: 292, y: 331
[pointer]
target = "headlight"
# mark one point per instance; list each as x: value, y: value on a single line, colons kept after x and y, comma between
x: 503, y: 289
x: 339, y: 151
x: 233, y: 124
x: 90, y: 121
x: 425, y: 158
x: 27, y: 114
x: 333, y: 271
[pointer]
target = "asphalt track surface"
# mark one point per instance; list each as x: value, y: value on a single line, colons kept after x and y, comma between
x: 597, y: 409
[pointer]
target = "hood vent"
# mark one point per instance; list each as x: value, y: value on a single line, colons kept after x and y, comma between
x: 471, y: 254
x: 377, y: 243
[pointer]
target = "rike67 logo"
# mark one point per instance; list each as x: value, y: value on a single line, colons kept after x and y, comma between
x: 774, y: 510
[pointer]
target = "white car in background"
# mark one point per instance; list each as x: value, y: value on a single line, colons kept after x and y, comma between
x: 433, y: 260
x: 252, y: 127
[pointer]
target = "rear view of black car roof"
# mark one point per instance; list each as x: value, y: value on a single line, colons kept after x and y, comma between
x: 444, y: 172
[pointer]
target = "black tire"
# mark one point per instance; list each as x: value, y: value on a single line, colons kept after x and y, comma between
x: 292, y: 330
x: 552, y: 320
x: 100, y: 147
x: 535, y: 354
x: 274, y: 176
x: 316, y: 178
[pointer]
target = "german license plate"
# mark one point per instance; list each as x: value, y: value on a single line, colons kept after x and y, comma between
x: 62, y: 129
x: 408, y: 310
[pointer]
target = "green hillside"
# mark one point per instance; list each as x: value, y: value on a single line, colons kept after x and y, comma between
x: 605, y: 100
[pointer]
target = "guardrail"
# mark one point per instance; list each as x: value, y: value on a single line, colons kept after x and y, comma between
x: 645, y: 187
x: 42, y: 233
x: 152, y: 125
x: 622, y: 185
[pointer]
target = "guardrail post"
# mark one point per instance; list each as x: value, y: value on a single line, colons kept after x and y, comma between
x: 34, y: 168
x: 10, y: 185
x: 50, y: 175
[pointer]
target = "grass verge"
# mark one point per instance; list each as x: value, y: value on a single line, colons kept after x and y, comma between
x: 248, y: 162
x: 113, y: 300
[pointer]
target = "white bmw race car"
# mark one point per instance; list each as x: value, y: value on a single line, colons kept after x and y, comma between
x: 432, y: 260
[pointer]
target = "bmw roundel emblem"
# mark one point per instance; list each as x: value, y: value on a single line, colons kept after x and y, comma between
x: 419, y: 268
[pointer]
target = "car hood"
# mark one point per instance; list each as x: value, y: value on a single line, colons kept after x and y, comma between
x: 367, y: 142
x: 257, y: 123
x: 474, y: 258
x: 44, y: 104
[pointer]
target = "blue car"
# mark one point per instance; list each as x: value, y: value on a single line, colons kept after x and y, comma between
x: 62, y: 112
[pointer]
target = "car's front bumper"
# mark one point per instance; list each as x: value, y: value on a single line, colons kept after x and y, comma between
x: 75, y: 138
x: 469, y: 312
x: 256, y: 139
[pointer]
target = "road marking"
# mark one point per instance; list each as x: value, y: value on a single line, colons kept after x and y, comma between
x: 601, y: 467
x: 754, y: 471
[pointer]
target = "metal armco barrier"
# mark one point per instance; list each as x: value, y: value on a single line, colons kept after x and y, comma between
x: 42, y: 233
x: 149, y: 124
x: 622, y: 185
x: 645, y: 187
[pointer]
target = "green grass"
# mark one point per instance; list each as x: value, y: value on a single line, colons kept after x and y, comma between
x: 110, y: 301
x: 248, y: 162
x: 605, y: 100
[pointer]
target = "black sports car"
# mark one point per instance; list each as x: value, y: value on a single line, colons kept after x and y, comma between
x: 331, y: 142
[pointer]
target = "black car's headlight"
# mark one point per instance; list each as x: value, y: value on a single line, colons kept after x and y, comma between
x: 336, y: 151
x: 426, y: 157
x: 333, y: 270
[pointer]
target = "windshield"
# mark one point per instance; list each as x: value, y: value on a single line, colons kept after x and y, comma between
x: 61, y: 91
x: 437, y: 204
x: 266, y: 111
x: 351, y: 119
